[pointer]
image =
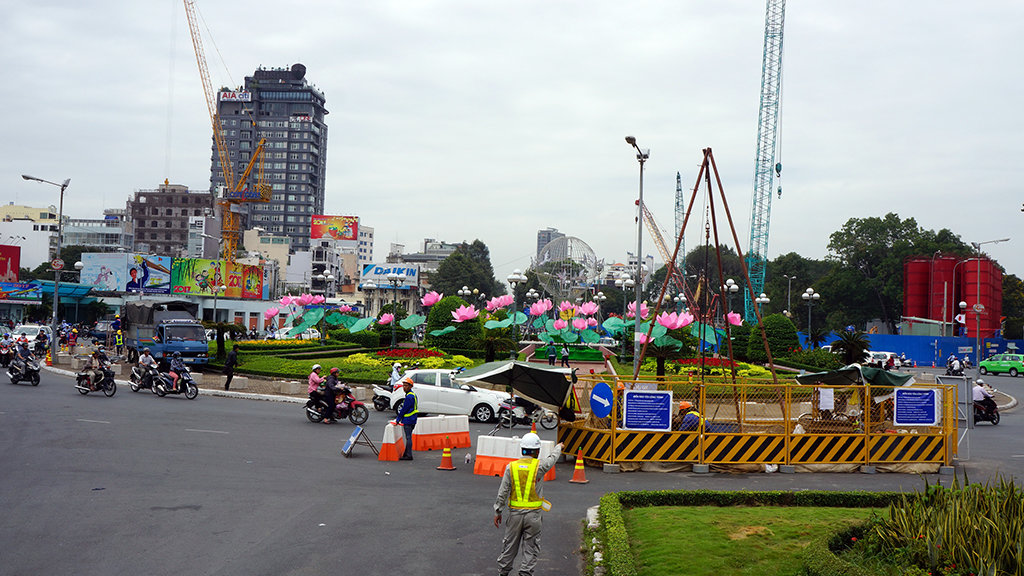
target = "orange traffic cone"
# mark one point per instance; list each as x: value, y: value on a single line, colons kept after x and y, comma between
x: 49, y: 361
x: 533, y: 427
x: 446, y: 456
x: 578, y: 475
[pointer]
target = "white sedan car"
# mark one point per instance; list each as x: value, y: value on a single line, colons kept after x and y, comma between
x: 437, y: 393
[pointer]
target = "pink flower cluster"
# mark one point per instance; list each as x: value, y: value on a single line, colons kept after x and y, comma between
x: 674, y: 321
x: 541, y: 307
x: 499, y: 302
x: 431, y: 298
x: 386, y: 318
x: 464, y: 313
x: 644, y: 310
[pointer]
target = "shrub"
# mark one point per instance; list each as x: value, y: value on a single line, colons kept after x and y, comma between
x: 814, y: 359
x: 781, y: 334
x: 441, y: 317
x: 365, y: 338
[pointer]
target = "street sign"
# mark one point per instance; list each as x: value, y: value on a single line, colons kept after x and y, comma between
x: 916, y: 407
x: 647, y: 410
x: 57, y: 264
x: 601, y: 400
x: 979, y: 307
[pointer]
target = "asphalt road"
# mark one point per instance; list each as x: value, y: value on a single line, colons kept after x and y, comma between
x: 223, y: 486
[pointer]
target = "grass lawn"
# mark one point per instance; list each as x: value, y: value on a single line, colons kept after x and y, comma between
x: 740, y: 541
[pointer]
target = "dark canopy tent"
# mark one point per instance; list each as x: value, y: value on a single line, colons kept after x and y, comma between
x: 549, y: 387
x: 856, y: 374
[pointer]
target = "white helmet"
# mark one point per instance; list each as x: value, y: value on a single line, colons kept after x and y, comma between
x: 316, y: 367
x: 979, y: 382
x: 530, y: 441
x: 396, y: 365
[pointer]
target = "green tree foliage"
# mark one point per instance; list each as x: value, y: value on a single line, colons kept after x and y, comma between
x: 851, y: 346
x: 740, y: 340
x: 781, y: 334
x: 440, y: 317
x: 469, y: 265
x: 785, y: 295
x: 401, y: 334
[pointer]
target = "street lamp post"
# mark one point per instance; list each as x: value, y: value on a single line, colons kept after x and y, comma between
x: 217, y: 290
x: 60, y: 232
x: 464, y: 293
x: 679, y: 299
x: 513, y: 279
x: 599, y: 298
x: 810, y: 296
x: 368, y: 286
x: 395, y: 280
x: 531, y: 296
x: 789, y: 289
x: 730, y: 288
x: 625, y: 282
x: 978, y: 306
x: 762, y: 299
x: 641, y: 156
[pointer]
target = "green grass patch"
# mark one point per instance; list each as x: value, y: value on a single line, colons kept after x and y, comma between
x: 735, y: 540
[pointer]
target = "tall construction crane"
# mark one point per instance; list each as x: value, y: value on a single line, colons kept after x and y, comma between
x: 235, y: 192
x: 766, y: 166
x: 680, y: 218
x: 659, y: 242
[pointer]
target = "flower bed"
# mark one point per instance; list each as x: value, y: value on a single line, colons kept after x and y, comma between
x: 409, y: 353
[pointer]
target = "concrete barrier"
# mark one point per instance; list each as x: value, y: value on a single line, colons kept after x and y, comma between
x: 393, y: 445
x: 431, y: 432
x: 289, y: 387
x: 493, y: 453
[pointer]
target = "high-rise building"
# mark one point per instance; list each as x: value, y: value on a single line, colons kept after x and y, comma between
x: 160, y: 218
x: 544, y: 237
x: 281, y: 106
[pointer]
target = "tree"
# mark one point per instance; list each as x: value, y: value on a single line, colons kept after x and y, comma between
x: 781, y: 335
x: 401, y: 334
x: 470, y: 266
x: 440, y: 317
x: 785, y: 294
x: 851, y: 346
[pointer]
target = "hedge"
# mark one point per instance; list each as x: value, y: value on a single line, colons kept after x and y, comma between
x: 619, y: 560
x: 819, y: 560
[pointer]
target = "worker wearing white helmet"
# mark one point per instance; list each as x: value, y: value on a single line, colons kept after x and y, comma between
x: 521, y: 490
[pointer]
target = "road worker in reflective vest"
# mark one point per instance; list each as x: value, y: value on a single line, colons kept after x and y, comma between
x: 521, y: 490
x: 118, y: 342
x: 688, y: 419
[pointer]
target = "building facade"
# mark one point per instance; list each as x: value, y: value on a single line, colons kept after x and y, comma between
x: 111, y: 233
x: 544, y: 237
x: 160, y: 218
x: 278, y: 105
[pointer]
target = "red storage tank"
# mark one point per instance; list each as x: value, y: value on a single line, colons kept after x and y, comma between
x: 982, y: 283
x: 915, y: 287
x: 942, y: 286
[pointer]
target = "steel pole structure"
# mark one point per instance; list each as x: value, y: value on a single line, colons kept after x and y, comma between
x: 641, y: 156
x: 60, y: 233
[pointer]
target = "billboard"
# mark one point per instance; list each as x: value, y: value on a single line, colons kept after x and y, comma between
x: 378, y: 273
x: 334, y: 227
x: 19, y: 293
x: 200, y: 276
x: 10, y: 261
x: 148, y: 274
x: 105, y: 271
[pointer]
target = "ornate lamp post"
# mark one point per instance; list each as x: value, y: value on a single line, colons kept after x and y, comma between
x: 810, y: 296
x: 626, y: 283
x: 599, y: 298
x: 395, y: 280
x: 762, y: 299
x: 514, y: 279
x: 369, y: 286
x: 730, y: 288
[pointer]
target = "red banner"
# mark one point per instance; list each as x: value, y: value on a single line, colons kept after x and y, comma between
x: 10, y: 261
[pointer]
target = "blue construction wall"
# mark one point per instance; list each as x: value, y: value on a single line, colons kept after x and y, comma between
x: 927, y: 349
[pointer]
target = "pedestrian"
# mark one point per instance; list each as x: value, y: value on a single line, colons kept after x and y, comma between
x: 565, y: 355
x: 229, y: 366
x: 407, y: 416
x: 521, y: 490
x: 552, y: 354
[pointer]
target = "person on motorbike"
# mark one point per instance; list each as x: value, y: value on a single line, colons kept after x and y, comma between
x: 95, y: 369
x: 40, y: 342
x: 315, y: 384
x: 148, y: 364
x: 21, y: 355
x: 23, y: 339
x: 331, y: 387
x: 7, y: 344
x: 982, y: 396
x: 956, y: 368
x: 177, y: 368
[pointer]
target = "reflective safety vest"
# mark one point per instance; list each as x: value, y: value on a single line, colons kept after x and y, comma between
x: 699, y: 416
x: 119, y: 339
x: 524, y: 484
x: 415, y: 405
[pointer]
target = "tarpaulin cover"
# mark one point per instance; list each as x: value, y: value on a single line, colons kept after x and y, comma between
x: 855, y: 374
x: 142, y: 312
x: 548, y: 387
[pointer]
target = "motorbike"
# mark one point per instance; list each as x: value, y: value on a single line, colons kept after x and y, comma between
x: 951, y: 371
x: 40, y: 347
x: 982, y: 415
x: 520, y: 411
x: 84, y: 383
x: 345, y: 407
x: 27, y: 371
x: 382, y: 393
x: 142, y: 377
x: 186, y: 385
x: 5, y: 355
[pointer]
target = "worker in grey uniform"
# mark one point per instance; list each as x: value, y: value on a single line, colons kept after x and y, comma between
x: 521, y: 491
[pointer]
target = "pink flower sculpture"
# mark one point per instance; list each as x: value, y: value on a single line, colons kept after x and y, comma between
x: 546, y: 303
x: 588, y: 308
x: 318, y: 299
x: 386, y: 319
x: 537, y: 309
x: 499, y: 302
x: 285, y: 300
x: 579, y: 323
x: 644, y: 311
x: 591, y: 322
x: 270, y: 313
x: 734, y: 318
x: 561, y: 324
x: 464, y: 313
x: 431, y: 298
x: 674, y: 321
x: 643, y: 338
x: 344, y: 308
x: 506, y: 300
x: 303, y: 300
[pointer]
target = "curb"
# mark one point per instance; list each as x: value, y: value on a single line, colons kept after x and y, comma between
x: 202, y: 391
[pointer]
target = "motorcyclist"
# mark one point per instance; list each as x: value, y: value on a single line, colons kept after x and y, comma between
x: 316, y: 382
x: 40, y: 342
x: 21, y: 355
x: 176, y: 369
x: 331, y: 388
x: 148, y: 365
x: 23, y: 339
x: 95, y: 368
x: 966, y: 361
x: 981, y: 396
x: 7, y: 343
x: 955, y: 368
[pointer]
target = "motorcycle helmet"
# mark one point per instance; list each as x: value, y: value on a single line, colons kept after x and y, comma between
x: 396, y: 365
x: 145, y: 350
x: 334, y: 370
x: 177, y: 354
x: 530, y: 441
x: 316, y: 367
x: 979, y: 382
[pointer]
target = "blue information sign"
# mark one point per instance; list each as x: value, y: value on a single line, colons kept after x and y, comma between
x: 915, y: 407
x: 647, y: 410
x: 601, y: 400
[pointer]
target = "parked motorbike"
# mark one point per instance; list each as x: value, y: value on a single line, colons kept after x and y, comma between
x: 186, y: 385
x: 382, y: 393
x: 381, y: 398
x: 982, y: 415
x: 345, y: 407
x: 521, y: 411
x: 27, y: 371
x: 84, y: 383
x: 143, y: 377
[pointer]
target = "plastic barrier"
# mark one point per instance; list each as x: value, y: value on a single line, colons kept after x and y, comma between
x: 393, y: 444
x: 494, y: 453
x: 430, y: 432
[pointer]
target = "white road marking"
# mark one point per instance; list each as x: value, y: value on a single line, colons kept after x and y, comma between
x: 207, y: 431
x: 93, y: 421
x: 1017, y: 456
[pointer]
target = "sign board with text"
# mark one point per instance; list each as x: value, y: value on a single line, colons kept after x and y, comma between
x: 647, y: 410
x: 916, y: 407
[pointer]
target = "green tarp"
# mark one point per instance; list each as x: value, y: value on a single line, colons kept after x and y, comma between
x: 855, y: 374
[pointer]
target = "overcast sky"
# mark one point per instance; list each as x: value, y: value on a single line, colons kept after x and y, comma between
x: 463, y: 120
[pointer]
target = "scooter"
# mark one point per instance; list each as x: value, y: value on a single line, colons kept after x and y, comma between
x: 951, y: 371
x: 5, y: 355
x: 526, y: 413
x: 186, y: 385
x: 142, y: 377
x: 27, y: 371
x: 982, y: 415
x: 84, y: 383
x: 345, y: 407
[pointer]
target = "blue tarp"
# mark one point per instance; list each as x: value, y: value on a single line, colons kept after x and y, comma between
x: 927, y: 349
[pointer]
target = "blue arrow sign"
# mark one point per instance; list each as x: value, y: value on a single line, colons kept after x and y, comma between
x: 601, y: 400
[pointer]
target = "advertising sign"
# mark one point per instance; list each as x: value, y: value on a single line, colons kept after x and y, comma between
x: 19, y: 293
x: 105, y: 271
x: 378, y: 273
x: 148, y: 274
x: 647, y: 410
x: 916, y: 407
x: 334, y: 227
x: 200, y: 277
x: 232, y: 96
x: 10, y: 262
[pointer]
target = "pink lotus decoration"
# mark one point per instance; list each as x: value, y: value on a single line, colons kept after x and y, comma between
x: 318, y: 299
x: 285, y: 300
x: 734, y: 319
x: 644, y: 311
x: 565, y: 305
x: 464, y: 313
x: 591, y: 322
x: 674, y: 321
x: 642, y: 338
x: 344, y: 308
x: 560, y: 324
x: 303, y: 300
x: 386, y: 319
x: 579, y: 323
x: 540, y: 307
x: 431, y: 298
x: 588, y: 308
x: 270, y: 313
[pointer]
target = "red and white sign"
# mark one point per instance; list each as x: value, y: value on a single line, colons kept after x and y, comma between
x: 10, y: 262
x: 229, y: 96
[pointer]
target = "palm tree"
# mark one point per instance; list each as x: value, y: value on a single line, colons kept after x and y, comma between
x: 851, y: 346
x: 816, y: 336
